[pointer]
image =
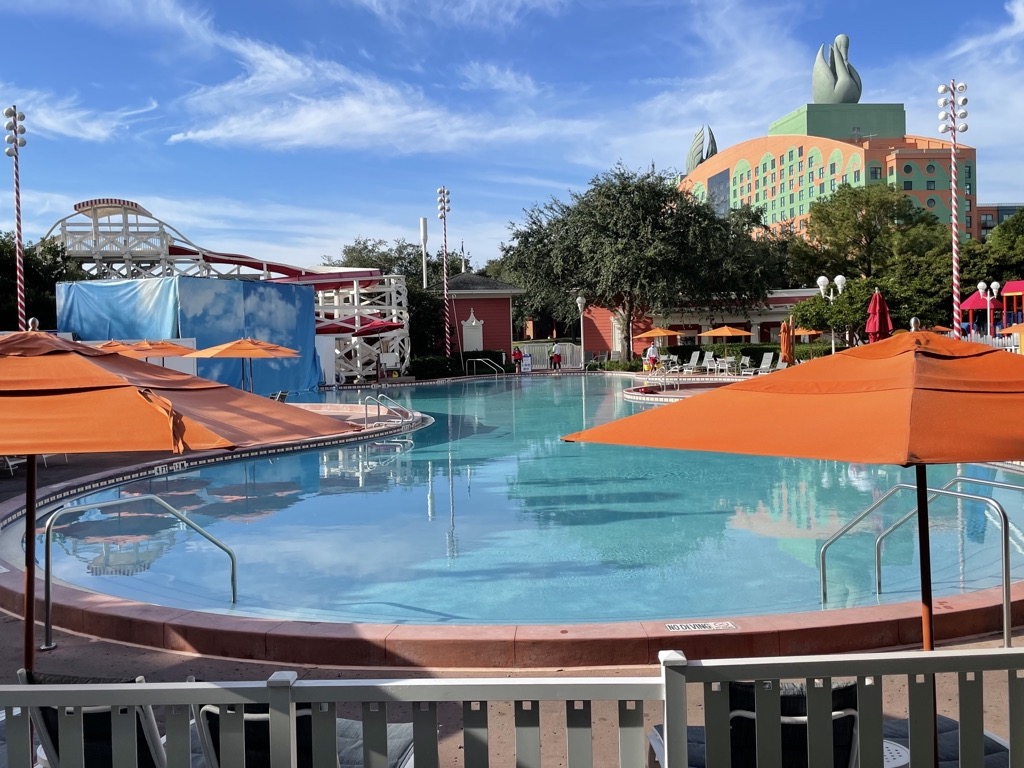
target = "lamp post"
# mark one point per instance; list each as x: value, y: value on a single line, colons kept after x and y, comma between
x: 582, y: 304
x: 823, y: 283
x: 989, y: 296
x: 952, y: 103
x: 15, y: 137
x: 444, y: 206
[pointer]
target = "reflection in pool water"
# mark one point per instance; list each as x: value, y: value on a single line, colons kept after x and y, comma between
x: 487, y: 517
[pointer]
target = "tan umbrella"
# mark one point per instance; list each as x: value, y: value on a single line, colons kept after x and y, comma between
x: 727, y: 332
x: 58, y: 396
x: 246, y: 349
x: 1018, y: 328
x: 910, y: 400
x: 656, y: 333
x: 786, y: 352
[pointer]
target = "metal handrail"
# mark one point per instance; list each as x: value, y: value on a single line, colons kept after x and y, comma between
x: 498, y: 370
x: 1005, y: 553
x: 48, y: 643
x: 379, y: 401
x: 1004, y: 524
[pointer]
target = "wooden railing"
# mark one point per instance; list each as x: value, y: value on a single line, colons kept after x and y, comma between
x: 470, y: 704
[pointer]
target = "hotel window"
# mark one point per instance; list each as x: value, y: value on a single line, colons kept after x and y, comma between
x: 987, y: 218
x: 757, y: 197
x: 810, y: 161
x: 800, y: 151
x: 802, y: 211
x: 810, y: 176
x: 892, y: 170
x: 773, y: 163
x: 967, y: 205
x: 764, y: 167
x: 791, y: 184
x: 773, y: 178
x: 800, y: 167
x: 908, y: 168
x: 821, y: 188
x: 832, y: 168
x: 931, y: 202
x: 967, y: 221
x: 907, y: 186
x: 856, y: 177
x: 929, y: 185
x: 930, y: 168
x: 832, y: 185
x: 791, y: 155
x: 773, y: 217
x: 967, y: 171
x: 844, y: 178
x: 801, y: 195
x: 757, y: 183
x: 967, y: 188
x: 782, y: 159
x: 821, y: 172
x: 791, y: 201
x: 875, y: 172
x: 748, y: 188
x: 803, y: 223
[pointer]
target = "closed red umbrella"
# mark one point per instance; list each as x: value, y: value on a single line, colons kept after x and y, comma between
x: 879, y: 325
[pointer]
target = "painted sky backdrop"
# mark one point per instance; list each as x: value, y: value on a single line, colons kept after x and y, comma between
x: 285, y: 130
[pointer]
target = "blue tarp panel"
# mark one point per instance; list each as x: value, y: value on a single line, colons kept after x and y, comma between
x: 212, y: 311
x: 119, y: 309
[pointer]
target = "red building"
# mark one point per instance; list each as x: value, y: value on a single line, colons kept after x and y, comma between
x: 480, y: 312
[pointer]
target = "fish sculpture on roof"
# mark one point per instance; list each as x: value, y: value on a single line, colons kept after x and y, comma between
x: 835, y: 81
x: 697, y: 154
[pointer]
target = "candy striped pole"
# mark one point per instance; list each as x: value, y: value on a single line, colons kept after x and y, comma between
x: 444, y: 200
x: 15, y: 138
x: 952, y: 106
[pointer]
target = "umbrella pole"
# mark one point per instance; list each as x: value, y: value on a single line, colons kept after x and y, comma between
x: 923, y: 536
x: 29, y: 653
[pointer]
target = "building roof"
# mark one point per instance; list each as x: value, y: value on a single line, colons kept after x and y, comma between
x: 471, y: 283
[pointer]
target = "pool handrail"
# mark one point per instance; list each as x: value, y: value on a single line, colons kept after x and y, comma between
x: 955, y: 481
x: 385, y: 402
x: 498, y: 370
x: 935, y: 492
x: 48, y: 643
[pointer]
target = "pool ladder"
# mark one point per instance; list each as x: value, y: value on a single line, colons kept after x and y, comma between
x: 383, y: 402
x: 48, y: 643
x: 995, y: 513
x: 490, y: 364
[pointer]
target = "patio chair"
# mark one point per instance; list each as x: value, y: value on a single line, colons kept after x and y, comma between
x: 995, y: 751
x: 690, y: 365
x: 781, y: 365
x: 744, y: 363
x: 97, y: 729
x: 256, y: 736
x: 764, y: 367
x: 709, y: 363
x: 742, y: 718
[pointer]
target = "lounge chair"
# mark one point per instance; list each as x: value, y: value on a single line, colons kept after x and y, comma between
x: 256, y: 736
x: 793, y: 705
x: 709, y: 363
x: 97, y: 745
x: 688, y: 366
x: 781, y: 365
x: 10, y: 462
x: 764, y: 367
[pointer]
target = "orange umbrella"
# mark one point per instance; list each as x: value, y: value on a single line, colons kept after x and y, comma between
x: 806, y: 332
x: 57, y: 396
x: 726, y: 331
x: 656, y: 333
x: 117, y: 346
x: 910, y: 400
x: 247, y: 349
x: 1018, y: 328
x: 160, y: 349
x: 786, y: 351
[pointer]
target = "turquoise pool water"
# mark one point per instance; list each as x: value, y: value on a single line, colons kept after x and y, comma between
x: 487, y: 517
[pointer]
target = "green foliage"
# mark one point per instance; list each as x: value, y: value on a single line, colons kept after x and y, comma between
x: 634, y: 244
x: 855, y: 227
x: 43, y: 269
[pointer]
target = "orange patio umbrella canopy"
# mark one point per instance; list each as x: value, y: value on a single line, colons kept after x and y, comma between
x: 911, y: 400
x: 657, y: 333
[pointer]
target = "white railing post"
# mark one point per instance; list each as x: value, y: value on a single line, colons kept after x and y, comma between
x: 282, y: 720
x: 673, y: 678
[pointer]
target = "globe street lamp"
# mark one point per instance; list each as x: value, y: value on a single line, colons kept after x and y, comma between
x: 823, y: 283
x: 16, y: 138
x: 582, y: 304
x: 989, y: 296
x: 444, y: 207
x: 952, y: 112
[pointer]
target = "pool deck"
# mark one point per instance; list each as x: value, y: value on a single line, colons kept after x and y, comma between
x: 450, y: 646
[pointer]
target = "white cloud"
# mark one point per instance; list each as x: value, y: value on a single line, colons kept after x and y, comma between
x: 477, y: 76
x: 470, y: 13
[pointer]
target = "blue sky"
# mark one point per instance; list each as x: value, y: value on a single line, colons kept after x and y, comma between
x: 285, y: 130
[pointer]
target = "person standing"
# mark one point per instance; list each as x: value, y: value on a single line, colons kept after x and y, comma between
x: 556, y: 356
x: 517, y: 358
x: 652, y: 356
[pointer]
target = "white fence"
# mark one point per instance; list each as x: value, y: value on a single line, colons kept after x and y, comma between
x: 983, y: 682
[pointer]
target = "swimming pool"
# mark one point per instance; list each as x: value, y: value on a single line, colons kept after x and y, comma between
x: 486, y: 517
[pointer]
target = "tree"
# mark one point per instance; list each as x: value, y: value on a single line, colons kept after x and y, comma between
x: 855, y: 226
x: 847, y: 314
x: 45, y: 265
x: 634, y: 244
